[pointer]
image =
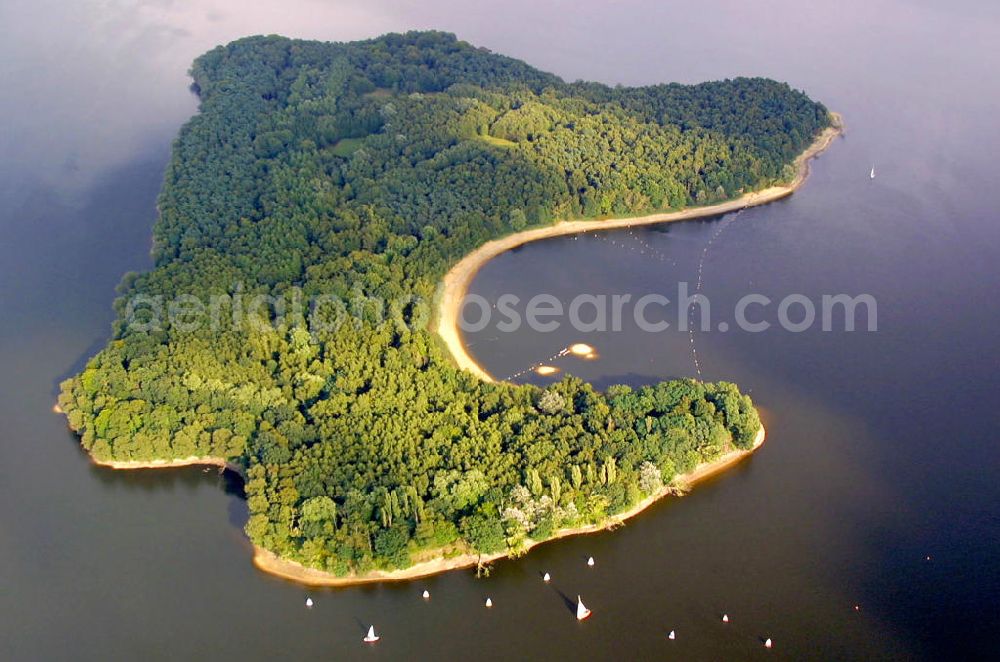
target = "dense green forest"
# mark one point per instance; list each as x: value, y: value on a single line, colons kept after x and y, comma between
x: 360, y: 172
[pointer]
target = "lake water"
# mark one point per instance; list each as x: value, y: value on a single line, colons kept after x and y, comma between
x: 881, y: 446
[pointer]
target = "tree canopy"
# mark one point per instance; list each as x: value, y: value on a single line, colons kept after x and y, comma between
x: 364, y: 170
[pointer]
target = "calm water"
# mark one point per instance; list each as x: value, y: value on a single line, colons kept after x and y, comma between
x: 882, y: 446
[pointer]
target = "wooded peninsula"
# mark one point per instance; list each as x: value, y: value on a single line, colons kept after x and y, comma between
x: 353, y: 176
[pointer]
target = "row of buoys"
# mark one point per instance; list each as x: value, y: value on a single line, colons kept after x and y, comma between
x: 535, y: 366
x: 697, y: 289
x: 652, y: 251
x: 579, y: 350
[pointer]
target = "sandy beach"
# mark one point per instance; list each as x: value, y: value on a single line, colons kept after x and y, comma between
x: 275, y: 565
x: 456, y: 282
x: 191, y: 461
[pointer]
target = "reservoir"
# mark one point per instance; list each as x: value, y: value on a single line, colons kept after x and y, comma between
x: 866, y: 527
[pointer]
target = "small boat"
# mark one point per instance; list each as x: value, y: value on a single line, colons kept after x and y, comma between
x: 725, y: 618
x: 426, y: 594
x: 371, y: 637
x: 590, y: 561
x: 489, y: 602
x: 581, y: 611
x: 309, y: 602
x: 871, y: 175
x: 546, y: 577
x: 672, y: 635
x: 768, y: 643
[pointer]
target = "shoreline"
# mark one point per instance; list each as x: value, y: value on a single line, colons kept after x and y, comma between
x: 190, y: 461
x: 456, y: 282
x: 173, y: 463
x: 269, y: 562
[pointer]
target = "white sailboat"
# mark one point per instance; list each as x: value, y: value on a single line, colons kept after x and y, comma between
x: 371, y: 637
x: 489, y: 602
x: 725, y: 618
x: 309, y: 602
x: 672, y: 635
x: 546, y: 577
x: 871, y: 175
x: 590, y: 561
x: 426, y: 594
x: 768, y: 643
x: 581, y: 611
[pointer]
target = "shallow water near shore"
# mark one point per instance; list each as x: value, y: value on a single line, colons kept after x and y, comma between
x: 881, y: 447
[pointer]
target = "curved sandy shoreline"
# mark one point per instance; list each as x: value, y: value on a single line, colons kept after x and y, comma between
x: 456, y: 282
x: 273, y: 564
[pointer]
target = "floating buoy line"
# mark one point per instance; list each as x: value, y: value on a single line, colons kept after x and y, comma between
x: 697, y: 290
x: 579, y: 350
x: 535, y: 366
x: 644, y: 248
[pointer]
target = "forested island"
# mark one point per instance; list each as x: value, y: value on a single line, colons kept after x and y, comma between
x: 360, y: 173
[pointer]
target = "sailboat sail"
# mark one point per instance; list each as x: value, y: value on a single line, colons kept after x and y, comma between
x: 371, y: 637
x: 581, y: 611
x: 872, y: 174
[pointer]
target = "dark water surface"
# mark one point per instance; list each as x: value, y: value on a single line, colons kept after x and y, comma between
x: 881, y: 446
